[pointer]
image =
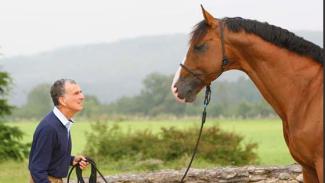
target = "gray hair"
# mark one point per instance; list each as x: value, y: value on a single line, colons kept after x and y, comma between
x: 58, y: 90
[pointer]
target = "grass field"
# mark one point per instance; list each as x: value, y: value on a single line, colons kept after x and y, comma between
x: 267, y: 133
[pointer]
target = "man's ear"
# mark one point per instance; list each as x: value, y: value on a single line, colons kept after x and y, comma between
x: 62, y: 101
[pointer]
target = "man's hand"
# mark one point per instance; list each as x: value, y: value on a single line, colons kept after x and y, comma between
x: 81, y: 160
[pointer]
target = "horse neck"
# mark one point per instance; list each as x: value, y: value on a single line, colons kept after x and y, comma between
x: 282, y: 77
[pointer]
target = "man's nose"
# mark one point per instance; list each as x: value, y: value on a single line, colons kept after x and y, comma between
x: 82, y: 96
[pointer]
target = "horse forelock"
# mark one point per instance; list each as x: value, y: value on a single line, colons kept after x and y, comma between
x: 199, y: 31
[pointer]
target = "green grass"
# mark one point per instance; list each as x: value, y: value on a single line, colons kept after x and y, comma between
x: 267, y: 133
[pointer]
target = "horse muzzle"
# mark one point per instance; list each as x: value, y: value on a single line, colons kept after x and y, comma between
x: 186, y: 89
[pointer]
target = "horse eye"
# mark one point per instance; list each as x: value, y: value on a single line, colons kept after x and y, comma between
x: 200, y: 47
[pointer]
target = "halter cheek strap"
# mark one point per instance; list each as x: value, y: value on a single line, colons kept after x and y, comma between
x: 224, y: 61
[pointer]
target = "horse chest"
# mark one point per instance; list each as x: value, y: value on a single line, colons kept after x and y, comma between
x: 303, y: 146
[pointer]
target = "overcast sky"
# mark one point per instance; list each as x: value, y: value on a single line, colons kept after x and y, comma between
x: 33, y: 26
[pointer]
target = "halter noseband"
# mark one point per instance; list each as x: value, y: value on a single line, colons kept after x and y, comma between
x: 224, y: 62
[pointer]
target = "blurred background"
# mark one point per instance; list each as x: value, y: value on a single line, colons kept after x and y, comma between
x: 123, y: 54
x: 109, y: 47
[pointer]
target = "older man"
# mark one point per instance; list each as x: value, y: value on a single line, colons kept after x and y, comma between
x: 50, y: 155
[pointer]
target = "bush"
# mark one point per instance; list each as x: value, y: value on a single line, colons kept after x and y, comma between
x: 170, y: 144
x: 10, y: 143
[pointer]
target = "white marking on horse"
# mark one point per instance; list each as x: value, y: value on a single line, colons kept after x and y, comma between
x: 176, y: 78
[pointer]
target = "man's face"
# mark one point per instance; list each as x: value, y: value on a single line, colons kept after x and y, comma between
x: 73, y: 98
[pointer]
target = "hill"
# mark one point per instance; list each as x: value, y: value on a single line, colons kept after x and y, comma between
x: 106, y: 70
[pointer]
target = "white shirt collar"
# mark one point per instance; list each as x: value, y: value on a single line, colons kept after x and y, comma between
x: 62, y: 118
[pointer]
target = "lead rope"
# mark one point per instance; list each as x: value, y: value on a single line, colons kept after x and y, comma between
x: 93, y: 174
x: 207, y: 95
x: 204, y: 114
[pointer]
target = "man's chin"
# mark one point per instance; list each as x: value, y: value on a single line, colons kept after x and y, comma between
x: 78, y: 109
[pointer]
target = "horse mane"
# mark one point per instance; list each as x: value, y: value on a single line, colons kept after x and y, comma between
x: 273, y: 34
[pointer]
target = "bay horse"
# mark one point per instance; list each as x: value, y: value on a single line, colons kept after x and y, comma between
x: 287, y: 70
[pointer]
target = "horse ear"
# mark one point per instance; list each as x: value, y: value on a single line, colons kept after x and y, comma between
x: 209, y: 19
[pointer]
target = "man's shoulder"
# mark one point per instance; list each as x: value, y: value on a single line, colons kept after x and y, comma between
x: 50, y: 117
x: 49, y: 122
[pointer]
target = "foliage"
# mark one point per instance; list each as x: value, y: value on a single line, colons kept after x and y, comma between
x: 230, y: 99
x: 10, y: 145
x: 154, y: 99
x: 10, y: 137
x: 5, y: 108
x: 38, y: 103
x: 272, y: 149
x: 92, y: 108
x: 238, y: 99
x: 170, y: 144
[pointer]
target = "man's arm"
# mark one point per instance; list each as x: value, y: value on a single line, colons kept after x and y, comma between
x: 42, y: 153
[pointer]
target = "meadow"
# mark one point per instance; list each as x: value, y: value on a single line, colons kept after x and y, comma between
x: 266, y: 132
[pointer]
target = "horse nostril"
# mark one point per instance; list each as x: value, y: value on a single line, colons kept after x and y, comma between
x: 175, y: 89
x: 179, y: 96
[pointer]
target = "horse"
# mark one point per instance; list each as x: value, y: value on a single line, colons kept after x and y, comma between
x: 286, y: 69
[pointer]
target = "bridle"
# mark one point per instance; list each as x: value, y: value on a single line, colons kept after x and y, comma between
x: 207, y: 93
x: 224, y: 62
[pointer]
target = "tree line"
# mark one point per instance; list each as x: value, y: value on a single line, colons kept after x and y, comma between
x: 235, y: 99
x: 229, y: 99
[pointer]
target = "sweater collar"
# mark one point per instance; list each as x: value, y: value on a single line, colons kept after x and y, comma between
x: 67, y: 123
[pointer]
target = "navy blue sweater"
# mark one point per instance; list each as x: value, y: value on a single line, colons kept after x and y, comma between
x: 51, y: 150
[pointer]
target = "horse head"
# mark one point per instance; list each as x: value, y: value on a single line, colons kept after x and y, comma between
x: 205, y: 59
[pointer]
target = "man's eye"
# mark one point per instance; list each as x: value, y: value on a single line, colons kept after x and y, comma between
x: 200, y: 47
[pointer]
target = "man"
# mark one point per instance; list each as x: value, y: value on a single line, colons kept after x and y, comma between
x: 50, y: 155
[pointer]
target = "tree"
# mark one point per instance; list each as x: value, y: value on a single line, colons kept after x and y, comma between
x: 10, y: 137
x: 244, y: 109
x: 38, y: 103
x: 155, y: 98
x: 92, y: 107
x: 229, y: 99
x: 5, y: 108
